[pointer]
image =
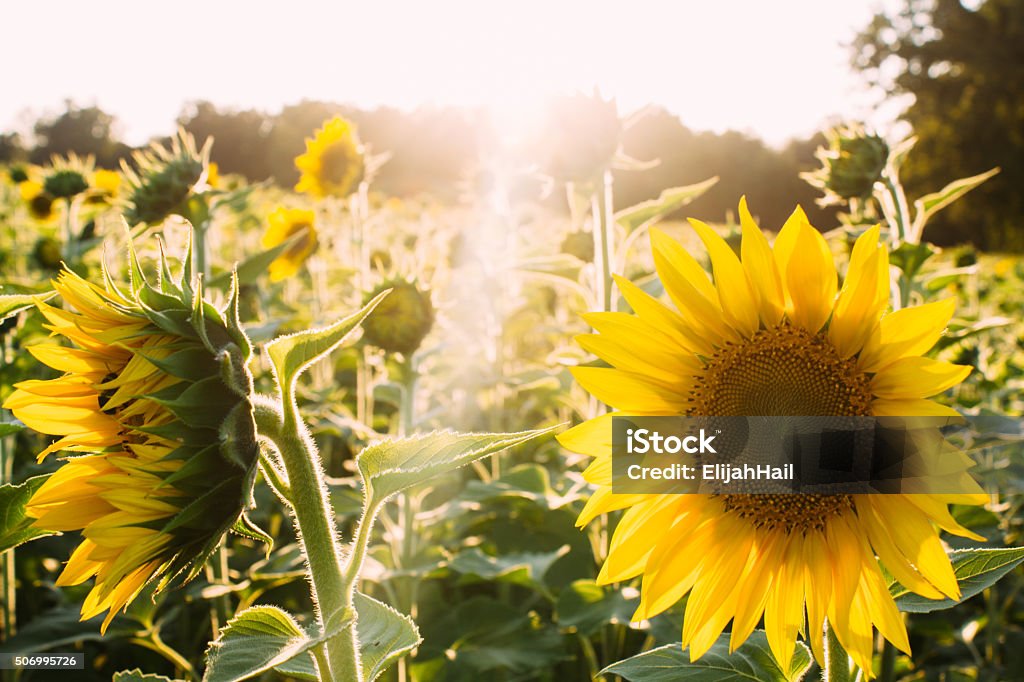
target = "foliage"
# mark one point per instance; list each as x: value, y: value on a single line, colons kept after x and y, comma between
x: 451, y: 535
x: 963, y: 65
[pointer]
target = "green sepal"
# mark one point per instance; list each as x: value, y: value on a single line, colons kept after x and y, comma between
x: 199, y: 464
x: 234, y: 322
x: 245, y: 527
x: 233, y: 371
x: 178, y: 432
x: 191, y: 364
x: 202, y: 404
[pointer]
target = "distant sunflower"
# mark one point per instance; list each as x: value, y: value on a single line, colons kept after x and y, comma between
x: 772, y: 334
x: 107, y: 182
x: 334, y: 163
x: 39, y: 203
x: 285, y: 223
x: 154, y: 404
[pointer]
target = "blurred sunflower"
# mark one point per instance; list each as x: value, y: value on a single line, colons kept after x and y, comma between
x: 285, y: 223
x: 108, y: 182
x: 163, y: 179
x: 154, y: 402
x: 213, y: 174
x: 40, y: 204
x: 68, y: 177
x: 334, y: 162
x: 772, y: 334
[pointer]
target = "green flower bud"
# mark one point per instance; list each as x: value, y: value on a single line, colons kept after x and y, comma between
x: 402, y: 320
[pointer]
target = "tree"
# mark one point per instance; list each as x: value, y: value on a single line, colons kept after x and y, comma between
x: 964, y: 68
x: 745, y: 165
x: 84, y: 131
x: 240, y: 137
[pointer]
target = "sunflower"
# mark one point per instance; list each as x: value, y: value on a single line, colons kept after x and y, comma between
x: 771, y: 334
x: 333, y: 164
x: 285, y: 223
x: 68, y: 177
x: 163, y: 178
x: 106, y: 182
x: 154, y: 403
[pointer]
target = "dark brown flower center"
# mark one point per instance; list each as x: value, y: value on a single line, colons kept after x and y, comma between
x: 782, y: 371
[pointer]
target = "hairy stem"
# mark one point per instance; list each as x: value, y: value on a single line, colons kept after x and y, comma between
x: 837, y: 663
x: 330, y: 589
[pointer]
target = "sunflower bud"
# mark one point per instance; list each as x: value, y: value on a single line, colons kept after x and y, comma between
x: 334, y: 163
x: 852, y: 164
x: 17, y: 174
x: 163, y: 179
x: 68, y: 177
x: 402, y: 320
x: 47, y: 253
x: 155, y: 404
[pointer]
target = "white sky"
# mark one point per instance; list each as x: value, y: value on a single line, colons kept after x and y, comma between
x: 777, y: 68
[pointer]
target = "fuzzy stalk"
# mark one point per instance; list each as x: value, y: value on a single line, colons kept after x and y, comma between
x: 313, y: 514
x: 837, y: 662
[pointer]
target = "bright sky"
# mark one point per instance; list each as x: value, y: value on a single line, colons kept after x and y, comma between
x: 777, y: 69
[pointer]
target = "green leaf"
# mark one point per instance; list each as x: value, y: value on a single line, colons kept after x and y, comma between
x: 61, y: 627
x: 669, y: 200
x: 752, y: 662
x: 975, y: 569
x: 12, y: 304
x: 394, y: 465
x: 526, y: 569
x: 385, y: 635
x: 586, y: 607
x: 15, y: 526
x: 930, y: 204
x: 139, y: 676
x: 910, y: 257
x: 7, y: 428
x: 254, y: 641
x: 899, y: 153
x: 290, y: 355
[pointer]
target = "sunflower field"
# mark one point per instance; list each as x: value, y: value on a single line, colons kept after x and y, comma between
x: 255, y: 432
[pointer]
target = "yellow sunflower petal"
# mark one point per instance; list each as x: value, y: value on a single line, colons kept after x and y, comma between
x: 734, y: 293
x: 916, y: 377
x: 905, y: 333
x: 761, y: 269
x: 811, y: 279
x: 858, y: 307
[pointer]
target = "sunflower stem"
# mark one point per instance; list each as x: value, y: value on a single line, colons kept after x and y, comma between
x: 219, y: 562
x: 359, y: 208
x: 408, y: 502
x: 7, y: 571
x: 332, y: 589
x: 888, y: 669
x: 837, y: 662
